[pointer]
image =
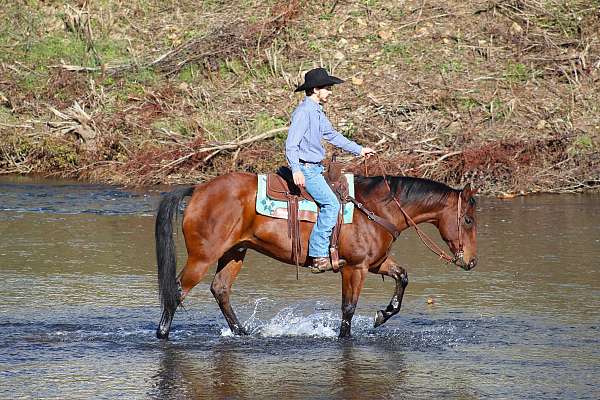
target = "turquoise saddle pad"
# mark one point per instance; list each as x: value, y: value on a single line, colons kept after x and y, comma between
x: 273, y: 208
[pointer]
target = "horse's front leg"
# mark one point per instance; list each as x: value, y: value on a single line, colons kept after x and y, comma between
x: 353, y: 278
x: 391, y: 268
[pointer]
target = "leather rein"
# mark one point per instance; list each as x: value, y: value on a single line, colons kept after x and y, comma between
x: 391, y: 228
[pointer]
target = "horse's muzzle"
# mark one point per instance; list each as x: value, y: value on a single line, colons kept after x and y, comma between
x: 472, y: 264
x: 460, y: 261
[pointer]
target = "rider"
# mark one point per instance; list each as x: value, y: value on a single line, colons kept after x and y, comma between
x: 304, y: 152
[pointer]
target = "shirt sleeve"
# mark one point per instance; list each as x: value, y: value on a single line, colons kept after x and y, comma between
x: 298, y: 128
x: 337, y: 139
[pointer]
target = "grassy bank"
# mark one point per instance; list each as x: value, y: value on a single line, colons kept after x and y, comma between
x: 503, y: 94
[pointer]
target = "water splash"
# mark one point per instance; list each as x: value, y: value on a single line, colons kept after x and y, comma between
x: 416, y: 333
x: 226, y: 332
x: 300, y: 321
x: 290, y: 321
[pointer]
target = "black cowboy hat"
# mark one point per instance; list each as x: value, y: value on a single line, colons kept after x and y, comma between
x: 317, y: 77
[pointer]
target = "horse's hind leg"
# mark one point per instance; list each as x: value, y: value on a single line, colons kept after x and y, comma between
x: 229, y: 267
x: 390, y: 268
x: 193, y: 272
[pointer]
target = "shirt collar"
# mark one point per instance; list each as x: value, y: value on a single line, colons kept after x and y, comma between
x: 312, y: 104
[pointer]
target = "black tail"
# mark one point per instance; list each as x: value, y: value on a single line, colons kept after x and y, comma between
x: 165, y: 248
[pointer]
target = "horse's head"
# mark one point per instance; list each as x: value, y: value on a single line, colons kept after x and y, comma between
x: 458, y: 227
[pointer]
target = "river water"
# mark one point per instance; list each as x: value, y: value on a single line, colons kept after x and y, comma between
x: 79, y: 307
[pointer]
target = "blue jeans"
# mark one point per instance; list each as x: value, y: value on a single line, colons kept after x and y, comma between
x: 329, y: 207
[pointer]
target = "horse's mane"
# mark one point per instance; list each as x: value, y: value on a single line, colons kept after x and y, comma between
x: 408, y: 190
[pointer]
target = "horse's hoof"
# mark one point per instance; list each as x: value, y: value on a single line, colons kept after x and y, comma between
x: 240, y: 331
x: 379, y: 319
x: 162, y: 334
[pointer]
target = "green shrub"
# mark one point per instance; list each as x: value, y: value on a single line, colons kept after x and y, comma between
x: 451, y: 66
x: 395, y: 50
x: 264, y: 122
x: 516, y: 72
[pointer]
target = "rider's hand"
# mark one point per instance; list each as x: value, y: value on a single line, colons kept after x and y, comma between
x: 367, y: 151
x: 299, y: 178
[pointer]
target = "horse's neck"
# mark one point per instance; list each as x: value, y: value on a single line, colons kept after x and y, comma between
x: 391, y: 210
x: 417, y: 214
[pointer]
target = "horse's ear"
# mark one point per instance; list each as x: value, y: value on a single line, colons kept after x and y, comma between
x: 467, y: 193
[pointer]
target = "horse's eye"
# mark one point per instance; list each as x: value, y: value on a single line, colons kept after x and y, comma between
x: 468, y: 220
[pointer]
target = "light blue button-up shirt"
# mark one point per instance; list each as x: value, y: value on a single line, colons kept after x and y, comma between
x: 310, y: 125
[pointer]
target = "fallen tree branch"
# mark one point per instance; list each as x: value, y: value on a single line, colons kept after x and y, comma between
x: 442, y: 158
x: 220, y: 147
x: 76, y: 121
x: 16, y: 126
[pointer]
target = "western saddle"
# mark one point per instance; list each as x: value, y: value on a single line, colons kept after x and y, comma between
x: 281, y: 186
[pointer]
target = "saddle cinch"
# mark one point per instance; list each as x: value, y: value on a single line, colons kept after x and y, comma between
x: 281, y: 186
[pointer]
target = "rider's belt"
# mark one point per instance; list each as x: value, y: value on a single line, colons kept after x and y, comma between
x: 309, y: 162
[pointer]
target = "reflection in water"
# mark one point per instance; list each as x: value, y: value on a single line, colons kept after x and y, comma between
x: 170, y: 381
x: 187, y: 374
x: 228, y: 370
x: 375, y: 370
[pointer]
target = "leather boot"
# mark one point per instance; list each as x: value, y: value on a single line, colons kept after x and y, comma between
x: 320, y: 265
x: 323, y: 264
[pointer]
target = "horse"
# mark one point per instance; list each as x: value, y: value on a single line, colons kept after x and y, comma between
x: 220, y: 224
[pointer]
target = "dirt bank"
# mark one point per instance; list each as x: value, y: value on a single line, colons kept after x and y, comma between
x: 503, y: 94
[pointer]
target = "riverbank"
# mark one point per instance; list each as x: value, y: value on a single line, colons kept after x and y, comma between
x: 501, y: 94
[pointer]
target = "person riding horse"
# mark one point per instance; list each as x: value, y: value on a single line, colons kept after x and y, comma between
x: 220, y: 222
x: 304, y: 153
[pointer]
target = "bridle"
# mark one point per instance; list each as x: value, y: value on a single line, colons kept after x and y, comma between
x: 427, y: 241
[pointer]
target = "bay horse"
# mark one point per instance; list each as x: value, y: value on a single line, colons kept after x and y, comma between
x: 220, y: 223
